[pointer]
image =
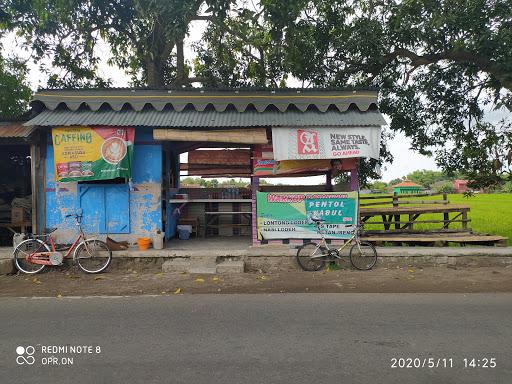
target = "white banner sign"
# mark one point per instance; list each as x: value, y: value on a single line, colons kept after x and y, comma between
x: 325, y: 143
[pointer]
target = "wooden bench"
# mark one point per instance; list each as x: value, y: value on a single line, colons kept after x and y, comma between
x: 391, y: 216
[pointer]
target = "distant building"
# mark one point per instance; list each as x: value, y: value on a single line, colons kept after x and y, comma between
x: 407, y: 187
x: 460, y: 186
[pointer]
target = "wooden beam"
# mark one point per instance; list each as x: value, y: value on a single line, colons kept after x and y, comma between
x: 242, y: 136
x: 223, y: 157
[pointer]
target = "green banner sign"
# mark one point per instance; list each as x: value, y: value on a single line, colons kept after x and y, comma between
x: 287, y: 215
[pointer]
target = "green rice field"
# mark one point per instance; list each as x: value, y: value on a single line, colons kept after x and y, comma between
x: 490, y: 213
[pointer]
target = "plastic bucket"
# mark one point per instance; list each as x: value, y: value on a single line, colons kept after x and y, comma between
x: 184, y: 234
x: 144, y: 243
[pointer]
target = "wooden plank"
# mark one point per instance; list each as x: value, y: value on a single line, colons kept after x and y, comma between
x: 237, y: 157
x: 242, y: 136
x: 426, y: 232
x: 459, y: 239
x: 224, y: 172
x: 179, y: 201
x: 407, y: 210
x: 416, y: 222
x: 365, y: 197
x: 187, y: 166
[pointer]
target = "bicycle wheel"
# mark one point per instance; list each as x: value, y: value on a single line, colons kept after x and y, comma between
x: 26, y: 248
x: 310, y: 258
x: 363, y: 256
x: 93, y: 256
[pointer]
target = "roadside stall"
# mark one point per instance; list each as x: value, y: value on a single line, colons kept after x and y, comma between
x: 115, y: 155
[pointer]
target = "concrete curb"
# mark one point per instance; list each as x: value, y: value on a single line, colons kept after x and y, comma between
x: 282, y: 257
x: 6, y: 266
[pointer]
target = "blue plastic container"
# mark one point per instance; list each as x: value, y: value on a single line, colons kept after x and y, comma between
x: 184, y: 234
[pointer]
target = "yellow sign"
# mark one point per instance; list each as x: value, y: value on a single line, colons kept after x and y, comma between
x: 92, y: 153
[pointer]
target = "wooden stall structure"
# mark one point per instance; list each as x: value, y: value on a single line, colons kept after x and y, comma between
x: 226, y: 132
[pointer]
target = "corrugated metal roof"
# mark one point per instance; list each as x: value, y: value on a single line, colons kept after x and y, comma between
x: 201, y: 99
x: 187, y: 119
x: 15, y: 130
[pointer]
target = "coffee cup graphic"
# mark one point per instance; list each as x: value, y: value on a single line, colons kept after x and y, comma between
x: 113, y: 150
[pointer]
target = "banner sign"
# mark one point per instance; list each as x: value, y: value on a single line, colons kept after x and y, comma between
x: 325, y: 143
x: 92, y: 153
x: 286, y: 215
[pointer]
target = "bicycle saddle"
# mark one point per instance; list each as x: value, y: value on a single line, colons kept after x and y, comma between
x: 50, y: 230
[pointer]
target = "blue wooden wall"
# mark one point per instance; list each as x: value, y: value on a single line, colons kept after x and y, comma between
x: 123, y: 211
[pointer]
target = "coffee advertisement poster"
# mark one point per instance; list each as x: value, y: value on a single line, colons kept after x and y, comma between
x: 92, y: 153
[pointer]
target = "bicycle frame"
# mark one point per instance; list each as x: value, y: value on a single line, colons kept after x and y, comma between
x: 43, y: 258
x: 323, y: 242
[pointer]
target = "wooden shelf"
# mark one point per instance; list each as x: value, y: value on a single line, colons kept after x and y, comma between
x: 182, y: 201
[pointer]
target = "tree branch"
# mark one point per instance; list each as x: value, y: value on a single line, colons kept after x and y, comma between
x: 457, y: 55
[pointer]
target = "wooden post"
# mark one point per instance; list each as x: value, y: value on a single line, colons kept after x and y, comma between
x: 465, y: 220
x: 255, y: 182
x: 396, y: 218
x: 354, y: 180
x: 33, y: 186
x: 328, y: 181
x: 446, y: 215
x: 354, y: 186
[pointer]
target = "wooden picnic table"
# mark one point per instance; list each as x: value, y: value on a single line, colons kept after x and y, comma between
x: 210, y: 216
x: 392, y: 216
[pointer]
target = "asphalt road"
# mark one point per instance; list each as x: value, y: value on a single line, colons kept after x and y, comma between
x: 279, y: 338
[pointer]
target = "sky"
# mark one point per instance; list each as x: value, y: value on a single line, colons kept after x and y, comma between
x: 405, y: 160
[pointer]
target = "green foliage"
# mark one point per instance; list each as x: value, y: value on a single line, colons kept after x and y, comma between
x: 426, y: 178
x: 438, y: 64
x: 14, y: 93
x: 378, y: 186
x: 396, y: 181
x: 444, y: 186
x: 507, y: 187
x: 145, y: 37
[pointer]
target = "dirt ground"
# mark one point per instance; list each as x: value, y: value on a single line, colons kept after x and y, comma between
x: 73, y: 282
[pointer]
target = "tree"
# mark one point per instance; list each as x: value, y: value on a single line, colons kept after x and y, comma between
x: 14, y: 93
x: 438, y: 64
x: 443, y: 186
x: 378, y: 186
x: 145, y: 36
x: 395, y: 181
x: 426, y: 177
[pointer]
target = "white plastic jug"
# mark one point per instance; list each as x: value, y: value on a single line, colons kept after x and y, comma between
x: 158, y: 240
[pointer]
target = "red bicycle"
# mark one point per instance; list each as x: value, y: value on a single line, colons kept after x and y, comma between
x: 37, y: 252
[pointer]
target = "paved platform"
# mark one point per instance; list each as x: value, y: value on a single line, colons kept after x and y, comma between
x: 282, y: 257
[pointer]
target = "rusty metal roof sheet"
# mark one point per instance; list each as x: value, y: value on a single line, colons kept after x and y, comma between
x: 199, y: 99
x: 190, y: 119
x: 15, y: 130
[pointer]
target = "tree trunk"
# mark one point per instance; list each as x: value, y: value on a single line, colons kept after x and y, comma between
x: 154, y: 74
x: 180, y: 62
